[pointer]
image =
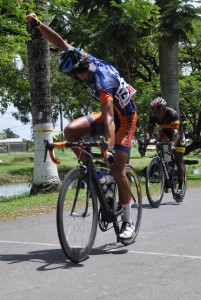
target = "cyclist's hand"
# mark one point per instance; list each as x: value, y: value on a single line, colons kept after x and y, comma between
x: 109, y: 156
x: 33, y: 20
x: 172, y: 147
x: 31, y: 16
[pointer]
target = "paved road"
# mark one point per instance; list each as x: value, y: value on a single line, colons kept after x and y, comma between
x: 163, y: 263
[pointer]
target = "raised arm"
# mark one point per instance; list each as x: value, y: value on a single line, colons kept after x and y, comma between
x: 53, y: 37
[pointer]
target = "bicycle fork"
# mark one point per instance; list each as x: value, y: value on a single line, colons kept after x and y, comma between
x: 79, y: 186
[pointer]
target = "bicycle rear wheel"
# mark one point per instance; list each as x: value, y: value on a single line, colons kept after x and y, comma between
x: 155, y: 184
x: 136, y: 205
x: 77, y: 215
x: 176, y: 184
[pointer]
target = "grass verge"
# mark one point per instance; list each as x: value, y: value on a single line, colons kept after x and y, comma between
x: 17, y: 167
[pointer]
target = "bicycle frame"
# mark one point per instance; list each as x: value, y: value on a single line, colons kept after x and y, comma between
x: 88, y: 166
x: 109, y: 215
x: 92, y: 176
x: 161, y: 155
x: 82, y: 204
x: 169, y: 177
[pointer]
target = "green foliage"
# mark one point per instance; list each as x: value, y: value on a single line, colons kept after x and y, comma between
x: 13, y: 30
x: 176, y: 19
x: 190, y: 50
x: 190, y: 90
x: 121, y: 32
x: 58, y: 7
x: 145, y: 94
x: 127, y: 45
x: 123, y: 29
x: 13, y: 37
x: 15, y: 88
x: 191, y: 110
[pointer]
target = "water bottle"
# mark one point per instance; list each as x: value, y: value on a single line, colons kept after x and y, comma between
x: 110, y: 184
x: 103, y: 182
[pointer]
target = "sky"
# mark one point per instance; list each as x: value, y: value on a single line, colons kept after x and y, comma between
x: 24, y: 131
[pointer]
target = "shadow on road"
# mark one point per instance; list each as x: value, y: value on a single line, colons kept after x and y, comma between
x: 113, y: 248
x: 52, y: 259
x: 148, y: 206
x: 49, y: 259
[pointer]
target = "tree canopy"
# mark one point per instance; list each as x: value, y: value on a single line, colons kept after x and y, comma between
x: 125, y: 33
x: 10, y: 134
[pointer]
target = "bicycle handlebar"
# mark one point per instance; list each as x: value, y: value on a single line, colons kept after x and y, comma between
x: 156, y: 143
x: 102, y: 144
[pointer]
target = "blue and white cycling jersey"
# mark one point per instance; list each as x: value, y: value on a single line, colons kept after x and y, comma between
x: 105, y: 84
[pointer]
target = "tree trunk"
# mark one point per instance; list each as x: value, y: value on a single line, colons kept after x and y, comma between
x: 169, y: 73
x: 168, y: 59
x: 45, y: 173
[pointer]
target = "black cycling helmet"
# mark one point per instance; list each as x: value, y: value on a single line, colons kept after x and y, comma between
x: 71, y: 59
x: 158, y: 104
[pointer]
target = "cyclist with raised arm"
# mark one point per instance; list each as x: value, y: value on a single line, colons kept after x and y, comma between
x: 118, y: 116
x: 171, y: 129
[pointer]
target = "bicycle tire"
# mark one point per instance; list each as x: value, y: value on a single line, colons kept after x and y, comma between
x: 176, y: 185
x: 76, y: 231
x: 155, y: 183
x: 136, y: 206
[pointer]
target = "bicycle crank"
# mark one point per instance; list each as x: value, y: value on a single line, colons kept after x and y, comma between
x: 102, y: 223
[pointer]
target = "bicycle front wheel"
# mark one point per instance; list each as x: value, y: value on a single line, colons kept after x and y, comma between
x: 136, y: 203
x: 155, y: 184
x: 77, y: 215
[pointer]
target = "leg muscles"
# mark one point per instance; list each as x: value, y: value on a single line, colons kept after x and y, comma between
x: 119, y: 173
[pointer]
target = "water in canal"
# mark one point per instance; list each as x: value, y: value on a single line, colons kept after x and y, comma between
x: 7, y: 190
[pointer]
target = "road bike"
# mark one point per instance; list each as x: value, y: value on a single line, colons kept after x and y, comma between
x: 82, y: 204
x: 162, y: 174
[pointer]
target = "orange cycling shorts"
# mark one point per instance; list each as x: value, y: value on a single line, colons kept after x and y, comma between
x: 124, y: 132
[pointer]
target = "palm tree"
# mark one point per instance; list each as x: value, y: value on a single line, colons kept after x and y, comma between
x: 10, y: 134
x: 175, y: 23
x: 45, y: 174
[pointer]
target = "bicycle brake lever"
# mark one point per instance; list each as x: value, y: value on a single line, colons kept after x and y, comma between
x: 104, y: 143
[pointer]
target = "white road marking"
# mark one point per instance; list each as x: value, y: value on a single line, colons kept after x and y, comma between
x: 29, y: 243
x: 112, y: 250
x: 164, y: 254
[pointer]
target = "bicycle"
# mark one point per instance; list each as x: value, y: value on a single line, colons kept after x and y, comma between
x: 82, y: 204
x: 162, y: 174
